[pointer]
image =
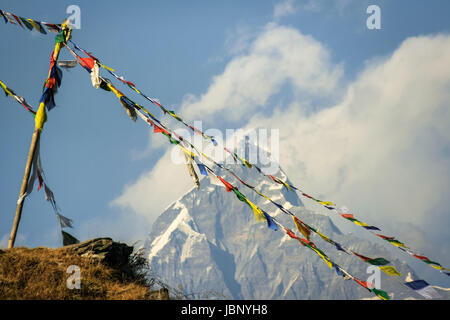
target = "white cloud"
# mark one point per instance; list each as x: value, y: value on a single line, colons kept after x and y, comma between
x: 384, y: 150
x: 156, y: 189
x: 278, y: 56
x: 283, y: 9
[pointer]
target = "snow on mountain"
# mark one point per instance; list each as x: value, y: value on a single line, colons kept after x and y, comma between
x: 208, y: 240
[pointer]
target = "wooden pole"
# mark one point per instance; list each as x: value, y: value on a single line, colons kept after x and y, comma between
x: 23, y: 188
x: 41, y: 117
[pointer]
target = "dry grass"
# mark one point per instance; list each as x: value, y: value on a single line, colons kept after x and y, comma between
x: 40, y: 273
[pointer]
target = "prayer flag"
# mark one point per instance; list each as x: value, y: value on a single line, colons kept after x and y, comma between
x: 68, y: 239
x: 201, y: 168
x: 270, y: 223
x: 51, y: 27
x: 390, y: 271
x: 129, y: 107
x: 380, y: 293
x: 326, y: 203
x: 423, y: 288
x: 378, y: 261
x: 239, y: 195
x: 3, y: 15
x: 17, y: 19
x: 9, y: 17
x: 64, y: 222
x: 302, y: 227
x: 227, y: 185
x: 259, y: 215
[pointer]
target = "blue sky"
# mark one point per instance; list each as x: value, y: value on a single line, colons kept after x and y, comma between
x: 91, y: 152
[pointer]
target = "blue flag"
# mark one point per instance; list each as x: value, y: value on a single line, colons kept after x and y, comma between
x: 202, y: 168
x: 272, y: 225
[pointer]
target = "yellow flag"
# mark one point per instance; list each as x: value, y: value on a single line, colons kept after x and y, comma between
x: 107, y: 68
x: 359, y: 223
x: 326, y: 203
x: 34, y: 24
x: 116, y: 92
x: 325, y: 258
x: 5, y: 88
x: 286, y: 185
x: 262, y: 195
x: 303, y: 230
x: 324, y: 237
x: 259, y: 215
x: 389, y: 270
x: 188, y: 152
x: 41, y: 117
x: 438, y: 267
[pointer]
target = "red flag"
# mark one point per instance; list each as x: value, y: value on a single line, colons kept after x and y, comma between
x: 384, y: 237
x: 364, y: 258
x: 291, y: 234
x: 87, y: 62
x: 347, y: 215
x: 363, y: 283
x: 157, y: 129
x: 40, y: 181
x: 421, y: 257
x: 227, y: 185
x: 18, y: 20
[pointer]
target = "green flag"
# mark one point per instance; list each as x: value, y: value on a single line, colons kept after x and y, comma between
x: 68, y: 239
x: 378, y: 261
x: 380, y: 293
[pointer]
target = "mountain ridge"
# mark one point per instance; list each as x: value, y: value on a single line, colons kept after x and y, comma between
x: 206, y: 240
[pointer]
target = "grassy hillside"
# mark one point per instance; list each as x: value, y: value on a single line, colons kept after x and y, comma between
x: 41, y: 273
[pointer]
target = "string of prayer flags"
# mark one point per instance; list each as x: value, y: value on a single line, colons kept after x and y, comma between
x: 18, y: 98
x: 49, y: 99
x: 351, y: 218
x: 381, y: 263
x: 154, y: 101
x: 392, y: 240
x: 257, y: 212
x: 30, y: 24
x: 424, y: 289
x: 260, y: 215
x: 433, y: 264
x: 339, y: 270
